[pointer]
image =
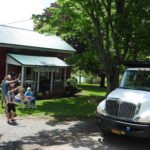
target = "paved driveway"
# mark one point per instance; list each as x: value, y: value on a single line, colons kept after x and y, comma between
x: 50, y: 134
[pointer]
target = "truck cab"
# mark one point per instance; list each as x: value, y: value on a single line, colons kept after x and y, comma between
x: 126, y: 110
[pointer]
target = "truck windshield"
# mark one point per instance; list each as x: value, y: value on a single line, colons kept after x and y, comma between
x: 136, y: 79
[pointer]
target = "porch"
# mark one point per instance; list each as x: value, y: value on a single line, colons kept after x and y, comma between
x: 39, y: 72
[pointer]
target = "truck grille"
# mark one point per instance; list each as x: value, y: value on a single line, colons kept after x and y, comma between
x: 120, y: 108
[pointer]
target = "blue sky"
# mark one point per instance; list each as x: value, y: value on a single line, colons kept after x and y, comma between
x: 21, y: 10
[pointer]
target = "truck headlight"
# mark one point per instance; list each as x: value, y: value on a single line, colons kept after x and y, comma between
x: 101, y: 108
x: 144, y: 117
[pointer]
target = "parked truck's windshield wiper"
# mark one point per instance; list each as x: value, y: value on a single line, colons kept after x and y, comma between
x: 123, y: 87
x: 135, y: 88
x: 143, y: 89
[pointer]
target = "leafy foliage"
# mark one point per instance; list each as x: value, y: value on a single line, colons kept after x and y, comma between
x: 71, y: 22
x: 105, y: 32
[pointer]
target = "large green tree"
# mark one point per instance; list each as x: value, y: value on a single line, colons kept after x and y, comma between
x: 115, y: 30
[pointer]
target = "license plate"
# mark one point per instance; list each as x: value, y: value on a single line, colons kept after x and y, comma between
x: 118, y: 132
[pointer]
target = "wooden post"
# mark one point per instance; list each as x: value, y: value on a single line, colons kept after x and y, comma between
x: 64, y: 78
x: 51, y: 86
x: 22, y: 76
x: 38, y: 81
x: 6, y: 71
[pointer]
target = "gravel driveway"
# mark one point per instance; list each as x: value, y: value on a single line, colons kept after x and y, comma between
x: 52, y: 134
x: 47, y: 134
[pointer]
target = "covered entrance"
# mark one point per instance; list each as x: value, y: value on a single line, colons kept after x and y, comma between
x: 39, y: 72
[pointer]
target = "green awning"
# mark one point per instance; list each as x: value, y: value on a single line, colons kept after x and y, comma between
x: 27, y: 60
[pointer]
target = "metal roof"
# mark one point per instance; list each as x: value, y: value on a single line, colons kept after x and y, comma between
x: 27, y: 60
x: 21, y: 38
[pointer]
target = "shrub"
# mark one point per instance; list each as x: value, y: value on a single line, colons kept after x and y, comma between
x: 38, y: 95
x: 71, y: 87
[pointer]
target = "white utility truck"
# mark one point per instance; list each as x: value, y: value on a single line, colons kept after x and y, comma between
x: 126, y: 110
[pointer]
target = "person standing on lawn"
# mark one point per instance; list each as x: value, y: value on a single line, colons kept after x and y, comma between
x: 10, y: 104
x: 8, y: 82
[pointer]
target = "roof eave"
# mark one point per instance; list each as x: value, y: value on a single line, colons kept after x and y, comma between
x: 36, y: 48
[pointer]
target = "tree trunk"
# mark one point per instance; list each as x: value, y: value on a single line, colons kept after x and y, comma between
x: 113, y: 79
x: 102, y: 80
x: 80, y: 77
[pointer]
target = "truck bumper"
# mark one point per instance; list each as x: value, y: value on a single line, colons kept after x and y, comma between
x: 121, y: 127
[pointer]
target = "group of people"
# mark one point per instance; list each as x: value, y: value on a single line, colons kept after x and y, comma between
x: 26, y: 98
x: 12, y: 93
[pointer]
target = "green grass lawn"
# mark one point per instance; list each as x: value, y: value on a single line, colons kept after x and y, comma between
x: 92, y: 90
x: 82, y: 105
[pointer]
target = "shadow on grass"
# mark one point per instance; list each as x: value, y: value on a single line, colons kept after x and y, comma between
x: 73, y: 107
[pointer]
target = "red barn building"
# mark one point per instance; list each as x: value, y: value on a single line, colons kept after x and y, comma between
x: 39, y: 58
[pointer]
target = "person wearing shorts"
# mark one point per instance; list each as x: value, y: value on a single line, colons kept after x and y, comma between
x: 10, y: 104
x: 8, y: 82
x: 11, y: 107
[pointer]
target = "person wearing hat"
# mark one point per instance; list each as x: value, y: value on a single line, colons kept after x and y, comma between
x: 30, y: 97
